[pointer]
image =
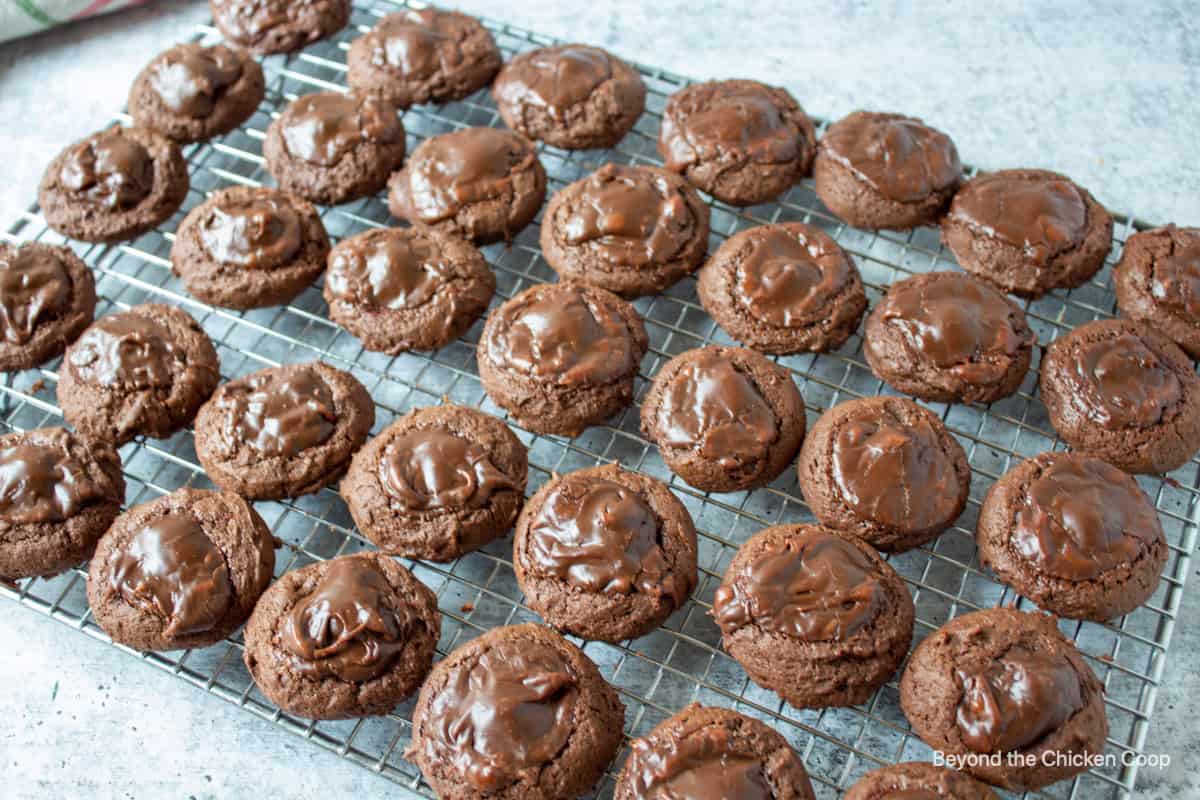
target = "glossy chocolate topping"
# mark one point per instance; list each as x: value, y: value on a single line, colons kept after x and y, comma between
x: 279, y: 414
x: 732, y: 123
x: 1017, y: 700
x: 505, y: 713
x: 348, y: 627
x: 254, y: 232
x: 191, y: 80
x: 785, y: 276
x: 386, y: 271
x: 109, y: 169
x: 1081, y: 517
x: 699, y: 767
x: 632, y: 217
x: 34, y: 287
x: 464, y: 167
x: 417, y: 43
x: 565, y: 337
x: 429, y: 470
x: 814, y: 586
x: 894, y: 473
x: 902, y: 158
x: 127, y: 349
x: 323, y: 128
x: 714, y: 407
x: 250, y: 20
x: 1043, y: 216
x: 1122, y: 383
x: 1175, y: 277
x: 558, y: 78
x: 41, y: 482
x: 171, y: 569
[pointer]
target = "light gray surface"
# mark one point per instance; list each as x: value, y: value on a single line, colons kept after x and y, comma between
x: 1102, y: 91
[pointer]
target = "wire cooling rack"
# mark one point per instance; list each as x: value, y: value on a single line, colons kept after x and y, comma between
x: 682, y: 662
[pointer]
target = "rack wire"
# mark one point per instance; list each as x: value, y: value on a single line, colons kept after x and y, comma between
x: 681, y: 662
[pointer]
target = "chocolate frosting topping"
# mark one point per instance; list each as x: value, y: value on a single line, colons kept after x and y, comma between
x: 814, y: 586
x: 191, y: 80
x: 1122, y: 383
x: 786, y: 277
x: 733, y: 123
x: 431, y: 470
x: 417, y: 43
x: 1175, y: 277
x: 714, y: 407
x: 699, y: 767
x: 34, y: 287
x: 464, y: 167
x: 279, y: 414
x: 558, y: 78
x: 129, y: 350
x: 902, y: 158
x: 322, y: 128
x: 348, y: 627
x: 41, y: 482
x: 109, y: 169
x: 1016, y: 701
x: 386, y: 271
x: 171, y: 569
x: 253, y: 232
x: 1043, y: 216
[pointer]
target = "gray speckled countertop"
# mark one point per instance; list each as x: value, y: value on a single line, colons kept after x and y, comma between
x: 1104, y: 91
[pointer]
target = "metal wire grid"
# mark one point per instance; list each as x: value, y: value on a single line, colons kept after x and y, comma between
x: 682, y: 662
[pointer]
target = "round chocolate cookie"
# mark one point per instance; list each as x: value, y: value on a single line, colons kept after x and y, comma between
x: 1001, y: 681
x: 571, y: 96
x: 349, y: 637
x: 484, y: 184
x: 437, y: 483
x: 886, y: 470
x: 877, y: 170
x: 561, y: 356
x: 58, y: 494
x: 47, y: 298
x: 783, y: 288
x: 114, y: 185
x: 917, y: 780
x: 1074, y: 534
x: 813, y: 614
x: 948, y: 337
x: 250, y: 247
x: 604, y: 553
x: 331, y: 148
x: 423, y: 56
x: 631, y: 230
x: 180, y: 572
x: 1158, y: 282
x: 1121, y: 391
x: 724, y: 418
x: 140, y: 372
x: 517, y: 713
x: 741, y: 141
x: 709, y: 754
x: 1028, y: 231
x: 283, y: 431
x: 192, y: 92
x: 278, y: 26
x: 400, y: 289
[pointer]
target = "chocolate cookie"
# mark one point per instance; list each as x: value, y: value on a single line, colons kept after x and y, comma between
x: 1158, y: 282
x: 814, y: 615
x: 743, y: 142
x: 999, y: 682
x: 561, y: 356
x: 1121, y: 391
x: 192, y: 92
x: 783, y: 288
x: 571, y: 96
x: 606, y: 554
x: 58, y: 494
x: 283, y: 431
x: 917, y: 780
x: 114, y: 185
x: 947, y: 337
x: 708, y: 753
x: 1075, y: 535
x: 437, y: 483
x: 278, y: 26
x: 1028, y: 231
x: 886, y: 470
x: 349, y: 637
x: 140, y: 372
x: 47, y: 298
x: 484, y: 184
x: 400, y: 289
x: 180, y: 572
x: 724, y: 418
x: 250, y: 247
x: 331, y: 148
x: 878, y: 170
x: 518, y: 713
x: 423, y: 56
x: 631, y: 230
